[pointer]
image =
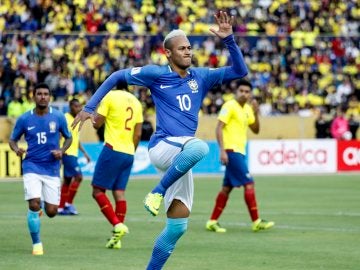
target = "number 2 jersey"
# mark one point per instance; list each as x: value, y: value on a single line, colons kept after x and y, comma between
x: 122, y: 111
x: 42, y: 134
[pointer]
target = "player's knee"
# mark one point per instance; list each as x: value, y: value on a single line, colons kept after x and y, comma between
x: 78, y: 178
x: 96, y: 192
x: 51, y: 211
x: 198, y: 147
x: 34, y: 205
x: 249, y: 186
x: 51, y: 215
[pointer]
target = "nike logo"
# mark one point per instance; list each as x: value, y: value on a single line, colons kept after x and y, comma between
x: 30, y: 128
x: 164, y: 86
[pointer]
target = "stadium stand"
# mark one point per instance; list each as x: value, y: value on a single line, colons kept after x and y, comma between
x: 303, y: 56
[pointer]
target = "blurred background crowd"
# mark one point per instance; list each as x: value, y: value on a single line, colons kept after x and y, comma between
x: 303, y: 56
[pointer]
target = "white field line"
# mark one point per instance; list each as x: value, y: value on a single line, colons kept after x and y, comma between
x: 147, y: 220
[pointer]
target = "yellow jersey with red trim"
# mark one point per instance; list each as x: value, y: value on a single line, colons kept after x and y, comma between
x: 122, y: 111
x: 236, y: 118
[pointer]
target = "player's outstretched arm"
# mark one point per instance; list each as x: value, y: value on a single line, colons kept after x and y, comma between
x: 238, y: 68
x: 105, y: 87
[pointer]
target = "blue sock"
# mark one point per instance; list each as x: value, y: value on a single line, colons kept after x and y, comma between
x: 33, y: 220
x: 166, y: 241
x: 193, y: 151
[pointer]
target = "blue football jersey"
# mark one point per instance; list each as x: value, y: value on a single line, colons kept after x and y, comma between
x: 42, y: 134
x: 177, y: 100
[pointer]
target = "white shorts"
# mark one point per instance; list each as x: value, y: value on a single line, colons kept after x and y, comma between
x: 42, y: 186
x: 162, y: 156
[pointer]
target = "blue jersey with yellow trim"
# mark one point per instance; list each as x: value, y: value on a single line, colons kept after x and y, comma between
x: 42, y: 134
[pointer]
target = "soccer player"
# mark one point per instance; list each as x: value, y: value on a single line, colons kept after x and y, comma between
x: 235, y: 117
x: 178, y: 92
x: 42, y: 127
x: 122, y: 114
x: 72, y: 172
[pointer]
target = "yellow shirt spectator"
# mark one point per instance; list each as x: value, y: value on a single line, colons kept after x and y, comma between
x: 14, y: 109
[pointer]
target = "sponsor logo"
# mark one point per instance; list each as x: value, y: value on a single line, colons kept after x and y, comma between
x: 292, y: 156
x: 164, y: 86
x: 30, y: 128
x: 351, y: 156
x: 348, y: 155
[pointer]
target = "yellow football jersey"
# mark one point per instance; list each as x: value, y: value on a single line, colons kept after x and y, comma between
x: 122, y: 111
x: 236, y: 119
x: 73, y: 150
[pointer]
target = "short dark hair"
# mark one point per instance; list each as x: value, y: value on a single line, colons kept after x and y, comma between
x: 243, y: 82
x: 41, y: 85
x: 74, y: 100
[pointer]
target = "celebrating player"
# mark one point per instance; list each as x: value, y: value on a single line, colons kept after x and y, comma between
x: 178, y: 92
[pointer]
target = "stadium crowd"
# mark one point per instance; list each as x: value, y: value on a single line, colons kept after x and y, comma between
x: 303, y: 56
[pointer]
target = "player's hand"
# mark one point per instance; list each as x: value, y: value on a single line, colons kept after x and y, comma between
x: 57, y: 153
x: 81, y: 117
x: 20, y: 152
x: 255, y: 105
x: 225, y: 22
x: 224, y: 158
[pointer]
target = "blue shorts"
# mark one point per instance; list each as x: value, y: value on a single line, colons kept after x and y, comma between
x: 237, y: 173
x: 71, y: 166
x: 112, y: 169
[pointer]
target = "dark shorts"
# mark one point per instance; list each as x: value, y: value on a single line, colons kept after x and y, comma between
x: 71, y: 166
x: 112, y: 169
x: 237, y: 173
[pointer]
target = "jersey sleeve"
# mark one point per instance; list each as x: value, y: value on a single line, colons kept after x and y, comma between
x: 18, y: 130
x: 143, y: 76
x: 139, y: 113
x: 103, y: 108
x: 211, y: 76
x: 63, y: 126
x: 225, y: 113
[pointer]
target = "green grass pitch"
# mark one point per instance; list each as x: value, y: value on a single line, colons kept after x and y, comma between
x: 317, y: 227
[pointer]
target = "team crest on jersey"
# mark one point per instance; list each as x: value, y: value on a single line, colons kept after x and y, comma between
x: 52, y: 126
x: 193, y: 85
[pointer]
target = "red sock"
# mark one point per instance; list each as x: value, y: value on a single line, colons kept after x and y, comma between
x: 64, y: 195
x: 249, y: 196
x: 73, y: 188
x: 220, y: 204
x: 106, y: 208
x: 120, y: 210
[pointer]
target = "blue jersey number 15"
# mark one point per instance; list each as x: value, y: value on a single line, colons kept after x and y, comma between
x: 41, y: 137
